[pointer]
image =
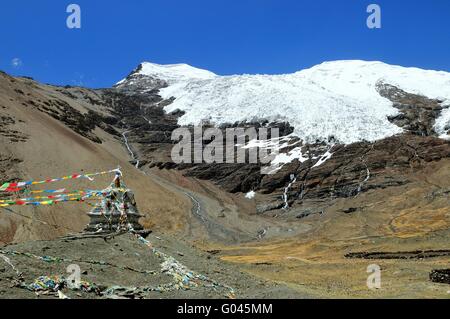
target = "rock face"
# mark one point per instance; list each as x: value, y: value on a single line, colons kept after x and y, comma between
x: 418, y: 114
x: 359, y: 167
x: 138, y: 83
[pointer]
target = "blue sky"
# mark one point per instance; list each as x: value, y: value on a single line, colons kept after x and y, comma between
x: 224, y: 36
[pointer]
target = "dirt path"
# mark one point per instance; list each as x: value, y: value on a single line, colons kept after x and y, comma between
x: 201, y: 211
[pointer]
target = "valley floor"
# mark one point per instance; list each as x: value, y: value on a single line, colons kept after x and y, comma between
x: 411, y: 234
x: 221, y: 240
x: 123, y: 267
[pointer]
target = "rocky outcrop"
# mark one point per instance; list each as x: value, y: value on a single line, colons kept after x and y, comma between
x: 14, y: 136
x: 418, y: 113
x: 441, y: 276
x: 81, y: 123
x: 424, y: 254
x: 360, y: 167
x: 138, y: 83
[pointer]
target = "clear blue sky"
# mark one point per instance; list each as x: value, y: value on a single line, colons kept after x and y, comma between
x: 224, y: 36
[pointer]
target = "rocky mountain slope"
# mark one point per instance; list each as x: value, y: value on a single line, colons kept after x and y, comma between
x: 50, y: 132
x: 134, y: 118
x: 350, y: 126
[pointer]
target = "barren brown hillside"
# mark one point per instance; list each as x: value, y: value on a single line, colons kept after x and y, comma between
x: 36, y: 146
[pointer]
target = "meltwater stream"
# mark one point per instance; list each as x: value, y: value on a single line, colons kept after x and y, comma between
x: 133, y: 156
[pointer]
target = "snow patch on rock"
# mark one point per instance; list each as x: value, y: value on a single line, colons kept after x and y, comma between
x: 250, y: 195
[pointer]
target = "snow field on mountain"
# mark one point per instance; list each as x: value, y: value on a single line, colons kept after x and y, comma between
x: 336, y: 99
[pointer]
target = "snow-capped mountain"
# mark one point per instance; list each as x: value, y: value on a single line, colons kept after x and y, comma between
x: 338, y: 99
x: 171, y: 73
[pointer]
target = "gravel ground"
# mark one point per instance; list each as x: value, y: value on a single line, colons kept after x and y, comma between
x: 126, y: 262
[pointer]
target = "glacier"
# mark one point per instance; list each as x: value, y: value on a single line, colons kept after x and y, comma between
x: 334, y: 99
